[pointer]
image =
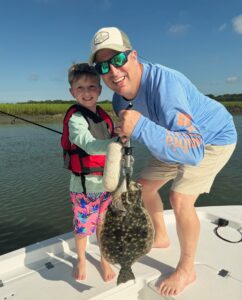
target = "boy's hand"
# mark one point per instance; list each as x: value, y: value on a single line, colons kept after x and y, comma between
x: 127, y: 122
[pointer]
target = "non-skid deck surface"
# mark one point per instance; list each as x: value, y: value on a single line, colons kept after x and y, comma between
x: 44, y: 270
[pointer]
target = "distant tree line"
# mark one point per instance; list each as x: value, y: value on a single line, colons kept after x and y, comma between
x: 220, y: 98
x: 58, y: 101
x: 227, y: 97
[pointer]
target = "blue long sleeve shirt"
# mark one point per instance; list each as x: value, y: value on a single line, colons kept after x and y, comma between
x: 177, y: 120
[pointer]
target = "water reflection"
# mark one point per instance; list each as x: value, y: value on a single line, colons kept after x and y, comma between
x: 34, y: 185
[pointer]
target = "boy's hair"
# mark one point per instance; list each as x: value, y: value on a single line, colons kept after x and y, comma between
x: 81, y: 69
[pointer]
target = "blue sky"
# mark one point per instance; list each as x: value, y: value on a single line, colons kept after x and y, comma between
x: 40, y: 39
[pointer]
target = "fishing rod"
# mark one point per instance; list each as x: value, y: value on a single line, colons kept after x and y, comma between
x: 28, y: 121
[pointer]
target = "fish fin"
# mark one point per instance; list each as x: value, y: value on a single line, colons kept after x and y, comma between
x: 125, y: 274
x: 117, y: 196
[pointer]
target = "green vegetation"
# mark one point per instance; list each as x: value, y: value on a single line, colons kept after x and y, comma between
x: 43, y: 108
x: 227, y: 97
x: 233, y: 103
x: 34, y: 109
x: 233, y: 107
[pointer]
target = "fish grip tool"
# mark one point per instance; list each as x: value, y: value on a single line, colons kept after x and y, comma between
x: 128, y: 159
x: 128, y: 162
x: 126, y: 172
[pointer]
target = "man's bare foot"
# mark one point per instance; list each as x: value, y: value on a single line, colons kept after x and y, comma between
x: 80, y: 270
x: 176, y: 282
x: 108, y: 273
x: 161, y: 242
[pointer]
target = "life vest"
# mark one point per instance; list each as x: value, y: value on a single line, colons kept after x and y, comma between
x: 75, y: 158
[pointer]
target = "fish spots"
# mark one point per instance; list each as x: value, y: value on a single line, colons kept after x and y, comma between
x: 125, y: 237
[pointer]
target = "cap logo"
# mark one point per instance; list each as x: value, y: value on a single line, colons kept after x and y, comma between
x: 101, y: 37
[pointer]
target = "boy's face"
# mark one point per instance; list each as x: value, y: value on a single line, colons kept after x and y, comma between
x: 86, y: 91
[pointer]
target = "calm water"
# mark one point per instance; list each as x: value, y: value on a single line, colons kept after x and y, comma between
x: 34, y: 185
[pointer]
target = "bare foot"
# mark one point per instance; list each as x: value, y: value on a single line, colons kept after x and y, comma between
x: 161, y: 242
x: 108, y: 273
x: 176, y: 282
x: 80, y: 270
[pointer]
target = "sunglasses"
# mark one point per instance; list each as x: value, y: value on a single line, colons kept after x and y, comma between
x: 117, y: 61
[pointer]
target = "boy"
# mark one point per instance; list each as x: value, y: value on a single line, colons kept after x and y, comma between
x: 88, y: 130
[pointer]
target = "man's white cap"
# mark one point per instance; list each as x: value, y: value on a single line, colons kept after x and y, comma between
x: 109, y: 38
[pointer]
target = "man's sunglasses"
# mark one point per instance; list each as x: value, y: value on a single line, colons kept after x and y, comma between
x: 117, y: 61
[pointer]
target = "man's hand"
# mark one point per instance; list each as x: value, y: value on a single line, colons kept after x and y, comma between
x: 127, y: 122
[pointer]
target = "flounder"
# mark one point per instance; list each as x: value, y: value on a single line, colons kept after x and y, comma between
x: 127, y: 232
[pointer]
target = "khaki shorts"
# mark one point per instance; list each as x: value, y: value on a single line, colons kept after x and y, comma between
x: 191, y: 180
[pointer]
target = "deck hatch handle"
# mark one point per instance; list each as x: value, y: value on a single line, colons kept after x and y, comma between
x: 49, y: 265
x: 223, y: 273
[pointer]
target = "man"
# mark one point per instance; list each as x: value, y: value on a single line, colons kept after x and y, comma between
x: 190, y: 136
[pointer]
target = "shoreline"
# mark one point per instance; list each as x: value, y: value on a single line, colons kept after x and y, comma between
x: 58, y: 118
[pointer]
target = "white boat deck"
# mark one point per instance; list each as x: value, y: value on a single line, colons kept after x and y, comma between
x: 44, y: 270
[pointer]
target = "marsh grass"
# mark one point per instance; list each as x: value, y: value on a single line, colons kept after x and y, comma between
x: 34, y: 109
x: 59, y: 109
x: 42, y: 108
x: 232, y: 103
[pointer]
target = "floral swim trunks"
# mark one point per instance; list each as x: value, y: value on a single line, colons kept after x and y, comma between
x: 89, y: 210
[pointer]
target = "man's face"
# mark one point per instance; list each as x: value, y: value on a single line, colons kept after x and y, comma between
x: 122, y: 80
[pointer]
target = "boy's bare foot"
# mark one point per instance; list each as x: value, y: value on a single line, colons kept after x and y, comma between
x: 108, y: 273
x: 176, y: 282
x: 80, y: 270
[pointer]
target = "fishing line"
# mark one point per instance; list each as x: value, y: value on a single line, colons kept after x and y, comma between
x: 28, y: 121
x: 48, y: 128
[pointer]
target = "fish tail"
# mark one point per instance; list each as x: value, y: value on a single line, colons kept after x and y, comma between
x: 125, y: 274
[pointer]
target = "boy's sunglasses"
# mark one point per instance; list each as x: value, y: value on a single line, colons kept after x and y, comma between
x: 117, y: 61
